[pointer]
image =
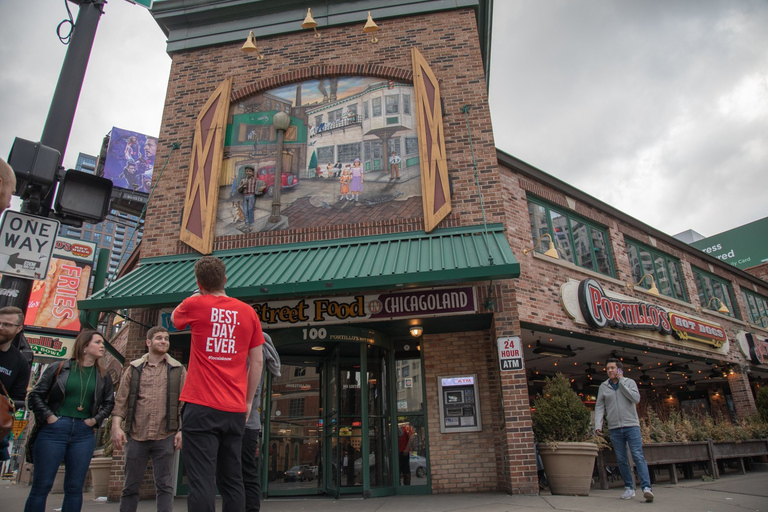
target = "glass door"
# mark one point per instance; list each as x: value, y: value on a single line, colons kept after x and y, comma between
x: 294, y: 443
x: 330, y: 417
x: 331, y: 459
x: 412, y: 457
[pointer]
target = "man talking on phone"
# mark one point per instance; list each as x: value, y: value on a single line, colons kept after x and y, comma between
x: 617, y: 401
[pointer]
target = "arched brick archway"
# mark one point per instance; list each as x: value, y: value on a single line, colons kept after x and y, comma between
x: 325, y: 71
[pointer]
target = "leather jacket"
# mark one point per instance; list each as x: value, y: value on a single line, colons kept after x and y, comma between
x: 47, y: 396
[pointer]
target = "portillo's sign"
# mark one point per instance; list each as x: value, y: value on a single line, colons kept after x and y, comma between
x: 599, y: 311
x: 586, y: 302
x: 361, y: 308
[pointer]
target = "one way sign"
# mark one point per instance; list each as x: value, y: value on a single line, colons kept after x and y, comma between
x: 26, y: 244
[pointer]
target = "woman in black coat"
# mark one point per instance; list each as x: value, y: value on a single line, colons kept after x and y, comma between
x: 70, y: 401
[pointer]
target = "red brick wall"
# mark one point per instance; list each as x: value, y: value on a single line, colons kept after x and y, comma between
x: 466, y: 461
x: 760, y: 271
x: 448, y: 41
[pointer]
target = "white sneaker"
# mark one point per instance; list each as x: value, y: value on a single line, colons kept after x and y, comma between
x: 648, y: 494
x: 628, y: 494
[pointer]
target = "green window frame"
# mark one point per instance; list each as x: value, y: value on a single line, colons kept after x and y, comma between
x: 664, y: 268
x: 708, y: 286
x: 577, y: 240
x: 757, y: 308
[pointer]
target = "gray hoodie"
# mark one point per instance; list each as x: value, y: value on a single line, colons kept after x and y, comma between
x: 271, y: 363
x: 617, y: 405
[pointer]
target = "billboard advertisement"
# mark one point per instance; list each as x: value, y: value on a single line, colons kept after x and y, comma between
x: 742, y: 247
x: 53, y: 302
x: 130, y: 160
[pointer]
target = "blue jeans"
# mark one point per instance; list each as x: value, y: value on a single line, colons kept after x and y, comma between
x: 69, y: 440
x: 620, y: 437
x: 248, y: 202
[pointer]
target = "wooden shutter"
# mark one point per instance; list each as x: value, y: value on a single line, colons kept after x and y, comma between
x: 434, y: 167
x: 198, y: 223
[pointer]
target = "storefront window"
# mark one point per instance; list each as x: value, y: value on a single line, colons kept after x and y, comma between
x: 393, y: 104
x: 757, y: 308
x: 710, y: 286
x: 348, y: 152
x: 325, y: 154
x: 411, y: 146
x: 664, y: 269
x: 577, y: 240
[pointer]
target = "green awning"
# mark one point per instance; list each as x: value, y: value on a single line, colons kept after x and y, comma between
x: 444, y: 256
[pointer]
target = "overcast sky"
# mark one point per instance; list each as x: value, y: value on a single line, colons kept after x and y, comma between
x: 657, y: 107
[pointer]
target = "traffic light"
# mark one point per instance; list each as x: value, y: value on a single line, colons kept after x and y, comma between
x: 83, y: 197
x: 35, y: 166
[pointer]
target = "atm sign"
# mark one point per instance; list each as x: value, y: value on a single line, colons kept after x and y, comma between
x: 510, y: 353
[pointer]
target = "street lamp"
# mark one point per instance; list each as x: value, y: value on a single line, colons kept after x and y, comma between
x: 281, y: 121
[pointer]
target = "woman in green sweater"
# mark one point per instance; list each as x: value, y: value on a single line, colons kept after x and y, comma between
x: 70, y: 401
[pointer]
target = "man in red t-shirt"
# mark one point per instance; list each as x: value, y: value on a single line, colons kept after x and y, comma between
x: 226, y: 340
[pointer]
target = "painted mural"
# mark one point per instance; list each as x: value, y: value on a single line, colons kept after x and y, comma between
x: 351, y: 154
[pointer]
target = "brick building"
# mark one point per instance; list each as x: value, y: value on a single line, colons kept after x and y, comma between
x: 389, y: 303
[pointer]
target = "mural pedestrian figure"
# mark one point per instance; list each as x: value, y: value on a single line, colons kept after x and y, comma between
x: 344, y: 179
x: 249, y: 187
x: 356, y: 184
x: 394, y: 167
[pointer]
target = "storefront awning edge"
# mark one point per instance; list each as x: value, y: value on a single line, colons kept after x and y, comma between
x: 166, y: 281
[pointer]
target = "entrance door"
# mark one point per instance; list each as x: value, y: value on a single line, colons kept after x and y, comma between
x: 330, y: 416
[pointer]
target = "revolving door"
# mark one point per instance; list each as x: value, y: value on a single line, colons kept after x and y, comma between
x: 328, y: 427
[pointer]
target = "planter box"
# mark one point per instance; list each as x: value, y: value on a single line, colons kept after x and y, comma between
x: 738, y: 450
x: 662, y: 454
x: 670, y: 454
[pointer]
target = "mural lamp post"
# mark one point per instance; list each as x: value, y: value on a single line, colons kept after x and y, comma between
x: 281, y: 121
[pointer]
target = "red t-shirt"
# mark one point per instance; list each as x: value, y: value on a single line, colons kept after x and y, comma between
x: 223, y: 331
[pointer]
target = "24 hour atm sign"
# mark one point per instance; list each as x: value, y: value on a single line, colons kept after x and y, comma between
x: 510, y: 353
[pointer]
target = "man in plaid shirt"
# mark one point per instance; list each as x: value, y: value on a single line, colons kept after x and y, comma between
x: 250, y: 186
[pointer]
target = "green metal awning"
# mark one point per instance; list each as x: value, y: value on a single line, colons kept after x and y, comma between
x: 444, y: 256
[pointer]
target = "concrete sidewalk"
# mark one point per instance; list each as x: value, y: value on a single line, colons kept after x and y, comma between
x: 730, y: 493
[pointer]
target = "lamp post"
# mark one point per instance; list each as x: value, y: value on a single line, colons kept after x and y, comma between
x: 281, y: 121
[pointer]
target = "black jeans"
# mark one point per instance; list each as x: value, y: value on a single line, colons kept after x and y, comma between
x: 250, y: 461
x: 211, y: 445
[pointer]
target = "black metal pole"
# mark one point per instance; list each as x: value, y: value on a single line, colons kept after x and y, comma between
x: 58, y: 125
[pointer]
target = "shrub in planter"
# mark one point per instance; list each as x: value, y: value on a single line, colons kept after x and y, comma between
x: 761, y: 400
x: 562, y: 426
x: 559, y: 414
